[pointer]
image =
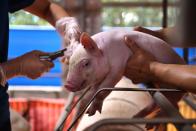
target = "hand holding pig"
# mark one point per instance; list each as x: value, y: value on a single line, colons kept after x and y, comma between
x: 139, y: 64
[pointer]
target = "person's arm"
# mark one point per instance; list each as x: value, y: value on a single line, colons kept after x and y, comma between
x: 53, y: 13
x: 171, y: 35
x: 143, y: 67
x: 47, y: 10
x: 28, y: 65
x: 182, y: 76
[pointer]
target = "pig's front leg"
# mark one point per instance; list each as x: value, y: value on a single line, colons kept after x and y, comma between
x: 97, y: 103
x: 109, y: 82
x: 87, y: 97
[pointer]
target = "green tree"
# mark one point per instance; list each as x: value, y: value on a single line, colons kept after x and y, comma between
x: 134, y: 16
x: 111, y: 16
x: 25, y: 18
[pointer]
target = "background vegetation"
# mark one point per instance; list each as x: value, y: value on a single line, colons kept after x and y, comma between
x: 112, y: 16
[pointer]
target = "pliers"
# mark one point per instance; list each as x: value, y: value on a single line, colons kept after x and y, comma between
x: 54, y: 55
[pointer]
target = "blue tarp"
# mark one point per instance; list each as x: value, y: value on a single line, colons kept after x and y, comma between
x: 24, y: 39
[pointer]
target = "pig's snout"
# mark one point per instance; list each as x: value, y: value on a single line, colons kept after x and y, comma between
x: 70, y: 86
x: 73, y: 87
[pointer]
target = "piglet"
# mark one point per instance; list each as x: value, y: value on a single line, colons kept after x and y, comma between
x: 100, y: 61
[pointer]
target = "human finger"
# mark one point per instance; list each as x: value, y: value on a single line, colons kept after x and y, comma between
x: 131, y: 44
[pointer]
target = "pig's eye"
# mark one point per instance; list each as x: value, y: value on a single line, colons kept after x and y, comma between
x: 85, y: 63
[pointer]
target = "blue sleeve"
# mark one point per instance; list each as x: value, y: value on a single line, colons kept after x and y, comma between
x: 15, y: 5
x: 4, y: 109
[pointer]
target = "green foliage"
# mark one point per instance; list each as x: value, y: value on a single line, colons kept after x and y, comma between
x: 136, y: 16
x: 25, y: 18
x: 131, y: 17
x: 111, y: 16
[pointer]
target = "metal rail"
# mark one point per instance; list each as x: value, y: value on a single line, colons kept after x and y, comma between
x: 169, y: 109
x: 190, y: 103
x: 115, y: 121
x: 165, y: 14
x: 60, y: 123
x: 186, y: 55
x: 68, y: 109
x: 84, y: 15
x: 166, y: 105
x: 118, y: 89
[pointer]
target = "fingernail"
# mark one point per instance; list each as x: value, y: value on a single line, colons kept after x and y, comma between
x: 128, y: 40
x: 45, y: 59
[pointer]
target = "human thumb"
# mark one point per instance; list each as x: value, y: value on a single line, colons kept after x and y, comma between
x: 131, y: 44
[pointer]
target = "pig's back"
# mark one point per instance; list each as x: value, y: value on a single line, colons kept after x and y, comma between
x: 114, y: 41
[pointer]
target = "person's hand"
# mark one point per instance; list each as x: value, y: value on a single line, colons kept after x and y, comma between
x: 31, y: 66
x: 68, y: 28
x: 139, y: 64
x: 156, y: 33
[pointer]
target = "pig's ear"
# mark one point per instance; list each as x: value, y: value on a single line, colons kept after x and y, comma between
x: 89, y: 44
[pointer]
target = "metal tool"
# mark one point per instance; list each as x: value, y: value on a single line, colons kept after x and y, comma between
x: 54, y: 55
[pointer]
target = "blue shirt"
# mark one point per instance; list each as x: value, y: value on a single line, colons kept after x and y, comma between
x: 7, y: 6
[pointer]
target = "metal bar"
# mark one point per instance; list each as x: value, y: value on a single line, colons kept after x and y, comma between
x: 137, y: 4
x: 84, y: 15
x: 167, y: 107
x: 165, y: 16
x: 68, y: 110
x: 187, y: 128
x: 115, y: 121
x: 60, y: 123
x: 186, y: 55
x: 190, y: 103
x: 117, y: 89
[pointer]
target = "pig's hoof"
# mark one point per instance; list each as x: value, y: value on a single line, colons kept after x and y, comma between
x: 90, y: 112
x: 96, y: 106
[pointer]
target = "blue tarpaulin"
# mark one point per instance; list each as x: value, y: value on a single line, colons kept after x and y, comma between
x: 24, y: 39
